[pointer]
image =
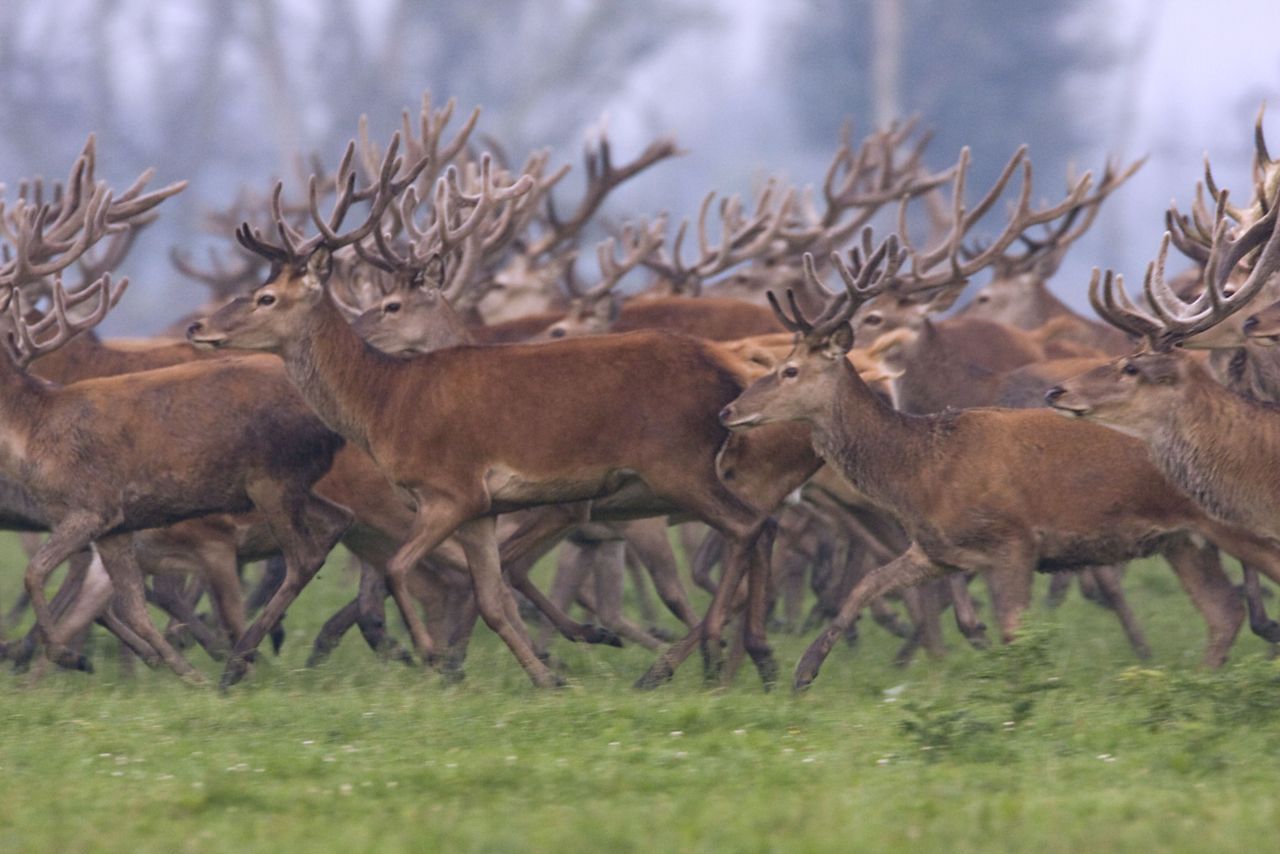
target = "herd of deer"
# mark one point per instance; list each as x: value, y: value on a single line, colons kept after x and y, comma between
x: 437, y: 389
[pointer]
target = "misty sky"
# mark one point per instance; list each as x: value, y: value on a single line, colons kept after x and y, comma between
x: 1190, y: 77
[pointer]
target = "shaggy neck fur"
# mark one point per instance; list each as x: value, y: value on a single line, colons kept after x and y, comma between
x: 1215, y: 447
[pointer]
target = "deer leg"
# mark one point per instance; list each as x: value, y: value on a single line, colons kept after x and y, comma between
x: 69, y: 536
x: 541, y: 530
x: 648, y: 540
x: 1259, y: 623
x: 93, y: 595
x: 479, y: 540
x: 911, y: 567
x: 571, y: 573
x: 1059, y: 587
x: 1200, y: 573
x: 1109, y: 584
x: 606, y: 561
x: 966, y: 612
x: 754, y: 637
x: 709, y: 553
x: 167, y: 593
x: 1010, y: 584
x: 306, y: 526
x: 371, y: 616
x: 640, y: 586
x: 128, y: 637
x: 222, y: 582
x: 273, y: 571
x: 131, y: 601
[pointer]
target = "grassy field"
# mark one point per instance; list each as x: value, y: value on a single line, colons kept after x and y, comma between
x: 1058, y: 743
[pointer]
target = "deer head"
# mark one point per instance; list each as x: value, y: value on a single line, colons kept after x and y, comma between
x: 804, y: 384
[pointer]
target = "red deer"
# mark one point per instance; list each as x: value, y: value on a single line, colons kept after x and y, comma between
x: 994, y: 514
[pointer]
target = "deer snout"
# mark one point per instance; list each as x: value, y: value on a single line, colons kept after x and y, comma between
x: 1250, y: 324
x: 726, y: 415
x: 1051, y: 396
x: 195, y: 328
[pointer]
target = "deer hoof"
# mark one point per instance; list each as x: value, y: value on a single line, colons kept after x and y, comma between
x: 656, y: 676
x: 1268, y: 631
x: 599, y: 634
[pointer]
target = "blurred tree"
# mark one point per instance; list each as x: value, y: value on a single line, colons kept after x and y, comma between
x: 990, y: 74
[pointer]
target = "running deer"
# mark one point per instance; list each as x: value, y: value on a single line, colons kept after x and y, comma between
x: 468, y: 432
x: 969, y: 486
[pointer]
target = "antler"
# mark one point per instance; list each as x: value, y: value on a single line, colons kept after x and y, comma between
x: 1045, y: 250
x: 293, y: 248
x: 638, y: 242
x: 602, y: 178
x: 947, y: 264
x: 742, y: 238
x: 463, y: 239
x: 867, y: 273
x: 221, y: 277
x: 47, y: 238
x: 1175, y: 320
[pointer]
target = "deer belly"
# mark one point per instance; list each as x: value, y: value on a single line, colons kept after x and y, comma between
x: 509, y: 488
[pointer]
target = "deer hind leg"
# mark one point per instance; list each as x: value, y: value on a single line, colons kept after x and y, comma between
x: 647, y: 539
x: 571, y: 573
x: 1059, y: 587
x: 1108, y: 579
x: 540, y: 530
x: 1201, y: 575
x: 131, y: 601
x: 606, y: 561
x: 966, y: 611
x: 479, y: 540
x: 93, y: 595
x: 69, y: 536
x: 169, y: 594
x: 1259, y: 623
x: 925, y: 604
x: 741, y: 526
x: 306, y: 526
x: 911, y: 567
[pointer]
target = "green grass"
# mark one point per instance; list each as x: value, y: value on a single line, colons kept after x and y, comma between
x: 1058, y: 743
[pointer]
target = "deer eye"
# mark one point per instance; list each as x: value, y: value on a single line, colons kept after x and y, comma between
x: 790, y: 371
x: 984, y: 298
x: 873, y: 320
x: 558, y: 332
x: 1130, y: 370
x: 391, y: 307
x: 267, y: 299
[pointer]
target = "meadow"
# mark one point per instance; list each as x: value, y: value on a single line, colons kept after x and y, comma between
x: 1060, y: 742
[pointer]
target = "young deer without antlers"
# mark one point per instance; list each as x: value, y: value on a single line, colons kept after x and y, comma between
x: 969, y: 486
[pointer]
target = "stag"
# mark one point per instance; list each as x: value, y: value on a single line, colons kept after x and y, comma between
x: 965, y: 505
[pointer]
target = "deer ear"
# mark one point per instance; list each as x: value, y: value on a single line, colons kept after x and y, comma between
x: 319, y: 268
x: 841, y: 340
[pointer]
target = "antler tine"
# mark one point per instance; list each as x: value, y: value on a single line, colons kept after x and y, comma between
x: 1121, y: 314
x: 794, y: 323
x: 223, y: 281
x: 638, y: 242
x: 26, y: 343
x: 602, y: 178
x: 867, y: 278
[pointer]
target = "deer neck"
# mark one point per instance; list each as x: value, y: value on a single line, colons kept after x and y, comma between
x: 340, y: 376
x: 1211, y: 445
x: 875, y: 447
x: 23, y: 400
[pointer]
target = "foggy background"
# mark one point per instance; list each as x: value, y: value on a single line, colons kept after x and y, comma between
x: 224, y: 93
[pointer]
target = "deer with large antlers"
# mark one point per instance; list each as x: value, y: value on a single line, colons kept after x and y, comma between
x: 467, y: 432
x: 105, y: 458
x: 1214, y: 444
x: 969, y: 486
